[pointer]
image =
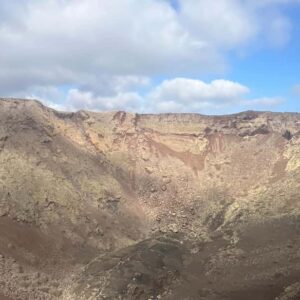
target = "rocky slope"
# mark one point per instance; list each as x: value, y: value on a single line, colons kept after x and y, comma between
x: 127, y: 206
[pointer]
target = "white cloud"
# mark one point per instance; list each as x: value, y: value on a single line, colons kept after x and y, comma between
x: 96, y: 45
x: 182, y: 94
x: 187, y: 90
x: 224, y: 23
x: 76, y: 42
x: 107, y: 85
x: 176, y: 95
x: 77, y: 100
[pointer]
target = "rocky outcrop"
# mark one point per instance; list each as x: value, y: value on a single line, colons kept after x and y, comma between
x: 76, y: 187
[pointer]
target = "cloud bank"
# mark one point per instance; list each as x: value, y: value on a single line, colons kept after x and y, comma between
x: 175, y: 95
x: 106, y: 52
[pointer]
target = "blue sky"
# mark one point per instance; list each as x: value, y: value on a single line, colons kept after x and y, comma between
x: 212, y: 57
x: 273, y: 71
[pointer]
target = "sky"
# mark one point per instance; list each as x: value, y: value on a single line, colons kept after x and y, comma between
x: 152, y: 56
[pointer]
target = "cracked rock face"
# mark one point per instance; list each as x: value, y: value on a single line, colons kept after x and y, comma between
x: 118, y: 205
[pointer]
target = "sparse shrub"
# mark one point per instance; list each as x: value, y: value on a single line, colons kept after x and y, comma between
x: 287, y: 135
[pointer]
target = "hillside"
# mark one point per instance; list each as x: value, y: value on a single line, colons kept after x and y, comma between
x: 118, y: 205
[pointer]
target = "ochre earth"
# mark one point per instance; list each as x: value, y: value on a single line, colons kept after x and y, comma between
x: 118, y: 205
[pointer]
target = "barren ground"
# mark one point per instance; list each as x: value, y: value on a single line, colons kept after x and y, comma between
x: 126, y: 206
